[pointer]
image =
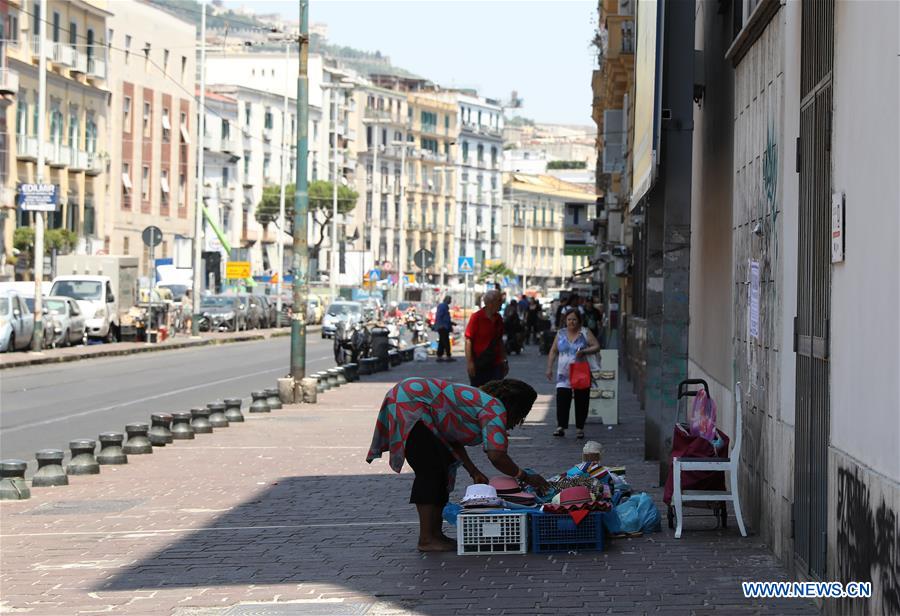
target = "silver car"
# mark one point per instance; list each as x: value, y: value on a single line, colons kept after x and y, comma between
x: 16, y: 322
x: 340, y: 311
x: 67, y: 321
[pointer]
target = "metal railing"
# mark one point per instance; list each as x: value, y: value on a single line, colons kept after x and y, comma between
x: 96, y: 67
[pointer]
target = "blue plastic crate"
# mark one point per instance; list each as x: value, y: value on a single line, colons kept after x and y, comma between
x: 554, y: 532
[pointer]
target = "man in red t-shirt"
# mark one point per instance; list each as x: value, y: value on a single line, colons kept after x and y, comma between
x: 485, y: 354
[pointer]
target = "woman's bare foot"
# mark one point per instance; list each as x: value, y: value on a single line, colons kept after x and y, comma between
x: 437, y: 546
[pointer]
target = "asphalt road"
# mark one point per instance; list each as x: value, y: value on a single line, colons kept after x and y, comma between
x: 47, y: 406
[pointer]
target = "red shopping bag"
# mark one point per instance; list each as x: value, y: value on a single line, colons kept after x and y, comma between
x: 580, y: 375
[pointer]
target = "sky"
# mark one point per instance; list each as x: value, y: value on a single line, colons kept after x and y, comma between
x: 540, y: 48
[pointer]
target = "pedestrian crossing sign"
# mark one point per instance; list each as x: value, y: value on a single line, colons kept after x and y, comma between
x: 466, y: 265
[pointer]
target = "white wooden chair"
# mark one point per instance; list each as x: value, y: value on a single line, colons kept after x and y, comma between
x: 728, y: 465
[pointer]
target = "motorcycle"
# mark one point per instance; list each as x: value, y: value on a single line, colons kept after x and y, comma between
x: 417, y: 329
x: 352, y: 342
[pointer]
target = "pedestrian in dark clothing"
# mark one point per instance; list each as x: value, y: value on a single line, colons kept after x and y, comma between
x: 593, y: 319
x: 532, y: 314
x: 443, y: 325
x: 512, y: 327
x: 485, y: 355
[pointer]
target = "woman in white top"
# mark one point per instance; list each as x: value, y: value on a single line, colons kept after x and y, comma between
x: 573, y: 343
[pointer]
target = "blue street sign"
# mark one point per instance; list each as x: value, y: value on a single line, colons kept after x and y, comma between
x: 38, y: 197
x: 374, y: 275
x: 466, y: 265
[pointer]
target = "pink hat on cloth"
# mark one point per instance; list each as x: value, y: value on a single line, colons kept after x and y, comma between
x: 508, y: 489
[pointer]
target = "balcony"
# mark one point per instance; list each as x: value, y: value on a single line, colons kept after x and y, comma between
x: 94, y: 164
x: 373, y: 115
x: 78, y: 161
x: 26, y: 148
x: 96, y: 68
x: 267, y: 134
x: 227, y: 193
x: 9, y: 81
x: 231, y: 145
x: 80, y: 64
x: 63, y: 54
x: 212, y: 143
x: 58, y: 155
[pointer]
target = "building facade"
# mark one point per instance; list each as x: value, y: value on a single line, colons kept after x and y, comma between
x: 153, y: 116
x: 536, y: 209
x: 791, y: 222
x: 76, y: 138
x: 430, y: 190
x: 479, y: 181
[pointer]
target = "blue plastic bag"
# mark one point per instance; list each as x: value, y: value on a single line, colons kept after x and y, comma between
x: 638, y: 514
x: 451, y: 510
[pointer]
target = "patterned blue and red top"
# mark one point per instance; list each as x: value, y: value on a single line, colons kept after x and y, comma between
x: 455, y: 413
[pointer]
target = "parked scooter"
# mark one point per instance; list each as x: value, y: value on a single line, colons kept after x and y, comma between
x: 352, y: 342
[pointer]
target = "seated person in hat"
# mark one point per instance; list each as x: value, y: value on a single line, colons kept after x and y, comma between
x: 429, y: 423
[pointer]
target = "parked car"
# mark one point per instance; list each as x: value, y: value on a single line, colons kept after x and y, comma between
x: 256, y: 316
x: 270, y: 309
x: 222, y: 313
x: 67, y: 324
x: 340, y: 311
x: 16, y: 322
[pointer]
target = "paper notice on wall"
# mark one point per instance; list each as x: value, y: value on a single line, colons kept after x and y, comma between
x: 753, y: 300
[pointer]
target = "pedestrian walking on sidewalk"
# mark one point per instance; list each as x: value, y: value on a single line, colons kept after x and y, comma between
x: 573, y: 344
x: 429, y: 423
x: 485, y: 355
x: 443, y: 325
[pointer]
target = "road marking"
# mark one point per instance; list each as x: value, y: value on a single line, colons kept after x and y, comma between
x: 45, y: 422
x: 210, y: 529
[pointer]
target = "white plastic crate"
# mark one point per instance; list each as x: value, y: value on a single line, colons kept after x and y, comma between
x: 492, y: 533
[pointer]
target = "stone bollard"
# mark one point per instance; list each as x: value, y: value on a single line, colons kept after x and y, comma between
x: 332, y: 378
x: 159, y: 429
x: 12, y: 480
x: 321, y: 382
x: 394, y: 358
x: 351, y: 372
x: 310, y: 389
x: 111, y: 448
x: 233, y: 410
x: 341, y: 374
x: 273, y: 400
x: 200, y: 420
x: 83, y: 461
x: 369, y: 365
x: 409, y: 353
x: 50, y: 471
x: 259, y: 404
x: 286, y: 391
x: 182, y: 430
x: 138, y: 442
x: 217, y: 414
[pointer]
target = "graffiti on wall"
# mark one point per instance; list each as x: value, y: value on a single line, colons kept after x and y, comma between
x: 868, y: 540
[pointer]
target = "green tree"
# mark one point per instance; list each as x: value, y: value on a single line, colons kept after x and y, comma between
x: 62, y: 240
x: 495, y: 272
x: 320, y: 205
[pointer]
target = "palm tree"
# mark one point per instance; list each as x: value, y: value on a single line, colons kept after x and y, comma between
x: 494, y: 272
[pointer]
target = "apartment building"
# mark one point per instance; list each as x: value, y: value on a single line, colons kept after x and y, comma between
x: 258, y: 83
x: 612, y: 84
x: 536, y: 210
x: 222, y: 198
x: 382, y: 126
x: 431, y: 212
x: 75, y: 142
x: 153, y: 117
x: 479, y: 182
x: 266, y: 136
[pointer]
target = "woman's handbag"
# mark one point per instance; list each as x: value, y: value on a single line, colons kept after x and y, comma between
x: 580, y: 375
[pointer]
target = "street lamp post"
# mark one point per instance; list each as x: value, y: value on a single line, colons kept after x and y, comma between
x: 401, y: 265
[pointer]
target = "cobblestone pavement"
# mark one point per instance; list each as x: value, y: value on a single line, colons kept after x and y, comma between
x: 281, y: 515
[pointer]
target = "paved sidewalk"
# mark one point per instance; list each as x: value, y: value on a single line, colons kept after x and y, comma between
x: 281, y: 515
x: 91, y: 351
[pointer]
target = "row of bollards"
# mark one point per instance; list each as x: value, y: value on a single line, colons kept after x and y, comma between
x: 164, y: 428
